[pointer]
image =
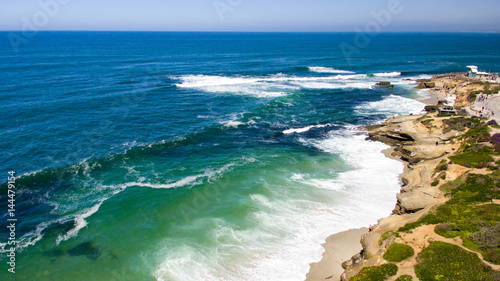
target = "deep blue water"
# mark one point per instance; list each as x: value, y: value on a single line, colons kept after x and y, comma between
x: 203, y: 156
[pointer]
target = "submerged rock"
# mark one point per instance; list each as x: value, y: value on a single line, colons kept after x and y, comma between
x: 383, y: 83
x: 88, y: 249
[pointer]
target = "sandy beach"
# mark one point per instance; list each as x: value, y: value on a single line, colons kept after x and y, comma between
x: 339, y: 248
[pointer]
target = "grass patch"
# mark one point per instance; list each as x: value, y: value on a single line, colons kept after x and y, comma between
x: 376, y: 273
x: 443, y: 261
x: 449, y: 186
x: 387, y: 235
x: 398, y: 252
x: 473, y: 156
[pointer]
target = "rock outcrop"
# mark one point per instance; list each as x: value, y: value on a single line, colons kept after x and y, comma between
x: 426, y: 84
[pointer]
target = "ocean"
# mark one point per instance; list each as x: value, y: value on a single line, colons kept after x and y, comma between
x: 202, y: 156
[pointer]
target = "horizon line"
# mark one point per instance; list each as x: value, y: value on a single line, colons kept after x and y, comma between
x: 248, y: 31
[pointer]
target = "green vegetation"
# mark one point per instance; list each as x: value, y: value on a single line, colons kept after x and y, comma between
x: 488, y: 88
x: 442, y: 166
x: 474, y: 156
x: 478, y: 144
x: 443, y: 261
x: 428, y: 123
x: 425, y: 116
x: 472, y: 97
x: 488, y: 239
x: 449, y: 186
x: 398, y: 252
x: 477, y: 134
x: 460, y: 123
x: 405, y: 278
x: 469, y: 215
x: 387, y: 235
x: 376, y: 273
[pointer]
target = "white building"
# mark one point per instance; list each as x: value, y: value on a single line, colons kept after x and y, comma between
x: 475, y: 73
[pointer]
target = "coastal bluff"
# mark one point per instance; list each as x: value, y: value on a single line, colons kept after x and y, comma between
x: 448, y: 207
x: 421, y: 147
x: 432, y: 148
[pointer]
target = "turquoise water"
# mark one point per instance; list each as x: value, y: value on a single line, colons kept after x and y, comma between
x: 203, y: 156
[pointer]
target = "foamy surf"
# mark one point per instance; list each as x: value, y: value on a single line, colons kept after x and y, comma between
x: 289, y: 230
x: 303, y: 129
x: 272, y: 86
x: 388, y: 74
x: 391, y: 106
x: 321, y: 69
x: 80, y: 223
x: 188, y: 181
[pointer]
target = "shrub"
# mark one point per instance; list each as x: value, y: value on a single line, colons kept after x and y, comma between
x: 495, y: 141
x: 435, y: 183
x: 405, y: 278
x: 472, y: 96
x: 376, y: 273
x: 488, y: 240
x: 443, y: 261
x: 455, y: 124
x: 398, y: 252
x: 492, y: 123
x: 447, y: 229
x: 442, y: 166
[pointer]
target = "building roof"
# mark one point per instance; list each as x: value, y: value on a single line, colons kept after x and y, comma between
x: 474, y: 69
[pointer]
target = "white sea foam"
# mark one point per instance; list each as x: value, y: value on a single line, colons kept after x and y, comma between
x: 271, y: 86
x: 233, y: 124
x: 252, y: 86
x: 321, y: 69
x: 80, y: 223
x: 388, y: 74
x: 186, y: 181
x: 304, y: 129
x: 200, y: 81
x: 391, y: 106
x: 232, y: 121
x: 334, y: 85
x: 332, y: 184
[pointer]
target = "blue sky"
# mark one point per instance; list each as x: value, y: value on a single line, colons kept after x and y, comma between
x: 251, y: 15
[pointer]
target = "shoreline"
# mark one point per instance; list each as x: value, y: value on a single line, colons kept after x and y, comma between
x: 336, y: 261
x: 339, y: 247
